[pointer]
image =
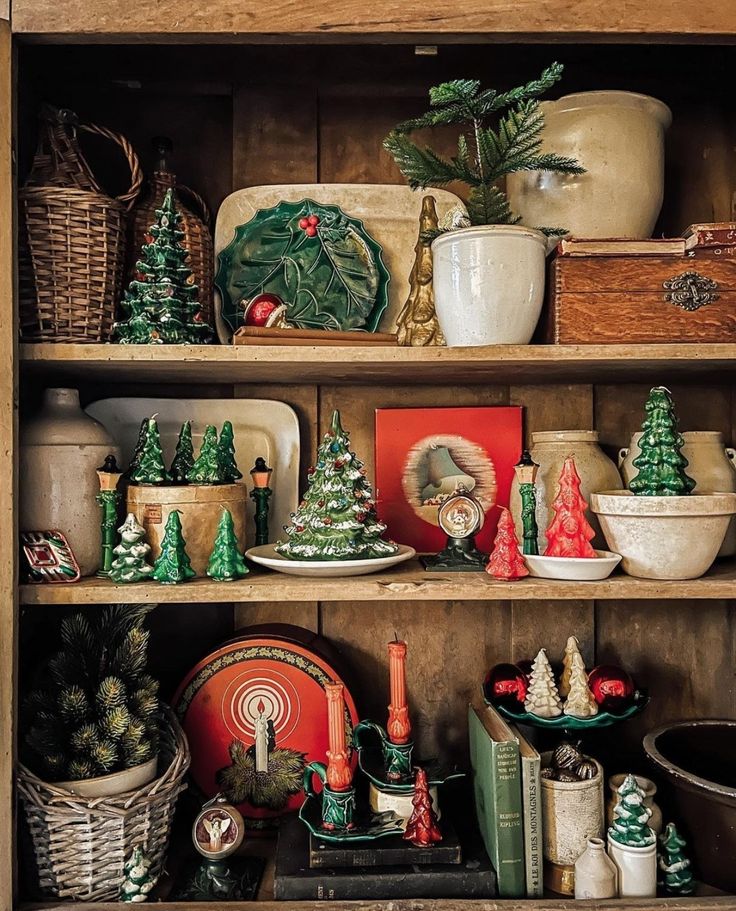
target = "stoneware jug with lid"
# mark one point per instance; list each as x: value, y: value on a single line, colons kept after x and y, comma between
x: 61, y: 449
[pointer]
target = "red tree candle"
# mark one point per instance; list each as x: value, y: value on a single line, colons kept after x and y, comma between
x: 339, y: 773
x: 399, y: 726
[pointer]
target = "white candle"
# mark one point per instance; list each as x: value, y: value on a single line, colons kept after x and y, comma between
x: 261, y: 741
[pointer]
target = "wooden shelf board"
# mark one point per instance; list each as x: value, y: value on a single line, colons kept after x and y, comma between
x: 408, y: 582
x: 364, y: 365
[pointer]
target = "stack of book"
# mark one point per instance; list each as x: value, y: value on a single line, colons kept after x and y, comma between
x: 506, y: 786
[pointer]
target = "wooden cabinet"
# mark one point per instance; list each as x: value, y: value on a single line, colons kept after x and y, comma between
x: 292, y: 99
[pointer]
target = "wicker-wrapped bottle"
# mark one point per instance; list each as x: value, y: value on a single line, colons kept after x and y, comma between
x: 197, y: 236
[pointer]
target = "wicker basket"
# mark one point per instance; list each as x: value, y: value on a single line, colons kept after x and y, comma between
x: 80, y: 846
x: 71, y: 238
x: 195, y: 223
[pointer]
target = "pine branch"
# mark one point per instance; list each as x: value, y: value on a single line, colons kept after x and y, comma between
x: 421, y: 167
x: 551, y: 75
x: 487, y: 205
x: 558, y: 163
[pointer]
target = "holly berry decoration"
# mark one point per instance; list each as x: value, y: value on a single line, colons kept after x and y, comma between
x: 506, y: 683
x: 309, y: 225
x: 612, y: 688
x: 422, y: 829
x: 506, y: 561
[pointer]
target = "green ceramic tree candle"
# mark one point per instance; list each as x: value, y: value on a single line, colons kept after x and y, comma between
x: 206, y: 469
x: 150, y: 467
x: 184, y: 456
x: 660, y: 464
x: 131, y: 554
x: 173, y: 564
x: 675, y: 878
x: 229, y: 472
x: 226, y: 562
x: 631, y: 817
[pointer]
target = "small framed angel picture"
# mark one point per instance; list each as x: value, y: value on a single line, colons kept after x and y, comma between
x: 218, y: 830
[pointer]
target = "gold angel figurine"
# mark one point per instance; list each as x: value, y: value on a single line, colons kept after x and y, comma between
x: 417, y: 323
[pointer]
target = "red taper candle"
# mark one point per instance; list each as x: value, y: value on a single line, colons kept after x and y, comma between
x: 339, y: 773
x: 399, y: 726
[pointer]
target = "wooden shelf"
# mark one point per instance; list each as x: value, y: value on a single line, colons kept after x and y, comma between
x: 409, y: 582
x: 362, y: 365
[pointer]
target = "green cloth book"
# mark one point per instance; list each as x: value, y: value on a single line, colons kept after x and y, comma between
x: 531, y: 800
x: 494, y: 757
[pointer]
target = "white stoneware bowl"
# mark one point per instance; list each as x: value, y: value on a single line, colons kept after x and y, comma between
x: 573, y: 569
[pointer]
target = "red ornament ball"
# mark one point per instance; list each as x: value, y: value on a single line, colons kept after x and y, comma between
x: 303, y: 223
x: 311, y: 231
x: 506, y: 682
x: 612, y: 687
x: 313, y: 221
x: 263, y: 310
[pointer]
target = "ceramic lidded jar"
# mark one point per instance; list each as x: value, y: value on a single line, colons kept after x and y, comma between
x: 488, y: 284
x: 618, y: 137
x: 61, y: 449
x: 595, y: 872
x: 549, y: 450
x: 711, y: 464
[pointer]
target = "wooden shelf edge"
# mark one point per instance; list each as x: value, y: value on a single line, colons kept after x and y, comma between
x: 409, y: 582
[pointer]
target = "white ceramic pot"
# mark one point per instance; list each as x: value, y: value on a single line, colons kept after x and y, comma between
x: 650, y: 790
x: 711, y: 464
x: 573, y: 569
x: 489, y: 284
x: 110, y: 785
x: 664, y: 537
x: 572, y: 813
x: 595, y: 872
x: 636, y: 869
x: 618, y: 137
x: 61, y: 449
x: 549, y: 450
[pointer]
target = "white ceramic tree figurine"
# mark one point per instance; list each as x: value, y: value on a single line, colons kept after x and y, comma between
x: 542, y: 697
x: 572, y: 648
x: 580, y: 702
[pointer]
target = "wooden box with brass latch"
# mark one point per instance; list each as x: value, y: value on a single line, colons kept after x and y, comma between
x: 618, y: 291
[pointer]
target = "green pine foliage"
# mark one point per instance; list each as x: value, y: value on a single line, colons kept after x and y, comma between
x: 501, y: 133
x: 173, y: 564
x: 95, y: 709
x: 229, y: 472
x: 184, y: 455
x: 631, y: 817
x: 337, y: 518
x: 206, y: 470
x: 226, y: 563
x: 660, y: 463
x: 161, y: 304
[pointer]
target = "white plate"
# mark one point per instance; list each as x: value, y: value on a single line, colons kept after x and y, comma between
x: 389, y: 212
x: 262, y: 428
x: 266, y: 555
x: 573, y: 569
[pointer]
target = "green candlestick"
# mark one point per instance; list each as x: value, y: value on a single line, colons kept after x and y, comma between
x: 526, y: 473
x: 109, y: 498
x: 261, y: 493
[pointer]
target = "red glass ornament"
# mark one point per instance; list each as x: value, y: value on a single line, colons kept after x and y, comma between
x: 506, y: 681
x: 612, y: 687
x: 263, y: 310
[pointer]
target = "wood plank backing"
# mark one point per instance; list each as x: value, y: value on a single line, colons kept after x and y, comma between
x: 8, y: 479
x: 168, y: 19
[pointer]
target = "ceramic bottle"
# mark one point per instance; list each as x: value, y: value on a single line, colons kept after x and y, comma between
x: 549, y: 450
x: 712, y: 465
x: 61, y: 449
x: 595, y: 872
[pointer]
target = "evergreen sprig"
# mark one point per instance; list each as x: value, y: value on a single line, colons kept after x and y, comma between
x: 96, y: 709
x: 485, y: 153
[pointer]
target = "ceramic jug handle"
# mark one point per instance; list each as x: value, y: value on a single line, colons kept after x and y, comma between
x: 731, y: 454
x: 314, y: 768
x: 622, y: 453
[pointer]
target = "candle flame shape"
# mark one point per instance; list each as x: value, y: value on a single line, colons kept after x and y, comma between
x: 261, y: 706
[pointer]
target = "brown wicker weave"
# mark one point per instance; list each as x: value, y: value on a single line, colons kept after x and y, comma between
x: 72, y: 238
x: 195, y: 223
x: 81, y: 845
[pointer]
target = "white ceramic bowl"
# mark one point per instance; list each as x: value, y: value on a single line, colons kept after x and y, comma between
x: 573, y: 569
x: 664, y: 537
x: 113, y: 784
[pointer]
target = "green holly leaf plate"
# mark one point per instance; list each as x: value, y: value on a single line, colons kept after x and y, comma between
x: 367, y: 826
x: 323, y: 264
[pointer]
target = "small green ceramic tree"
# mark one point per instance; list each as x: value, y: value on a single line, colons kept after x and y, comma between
x: 631, y: 817
x: 140, y: 442
x: 676, y: 877
x: 229, y: 472
x: 184, y: 456
x: 226, y: 563
x: 173, y: 564
x: 150, y: 467
x: 138, y: 880
x: 206, y: 469
x: 131, y: 555
x: 661, y: 464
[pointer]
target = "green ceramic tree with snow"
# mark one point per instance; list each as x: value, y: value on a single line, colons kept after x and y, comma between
x: 131, y: 555
x: 661, y: 464
x: 138, y: 880
x: 631, y: 817
x: 337, y: 519
x: 184, y: 455
x: 226, y: 562
x: 173, y: 564
x: 675, y: 876
x: 149, y: 461
x: 206, y: 469
x: 229, y: 472
x: 161, y: 304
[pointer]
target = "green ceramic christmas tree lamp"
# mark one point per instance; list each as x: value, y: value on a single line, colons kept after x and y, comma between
x: 109, y: 498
